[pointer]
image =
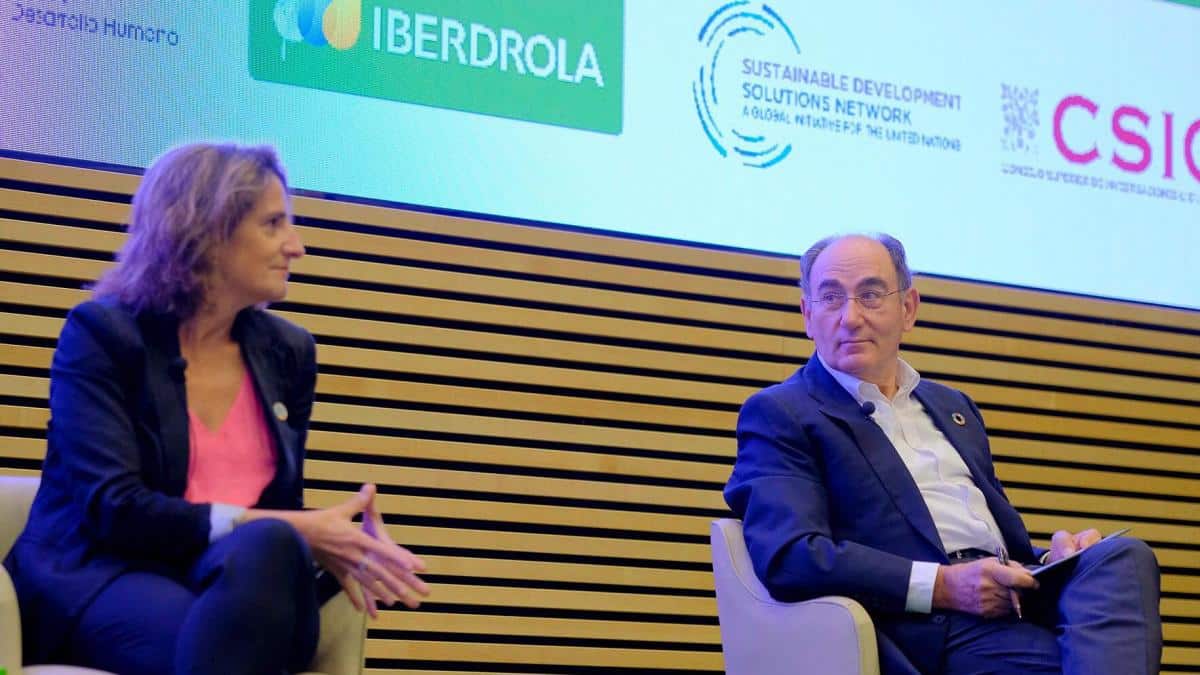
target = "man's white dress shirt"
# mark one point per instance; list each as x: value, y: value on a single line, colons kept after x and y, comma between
x: 958, y: 507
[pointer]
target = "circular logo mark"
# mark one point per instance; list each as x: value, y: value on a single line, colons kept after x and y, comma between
x: 729, y: 39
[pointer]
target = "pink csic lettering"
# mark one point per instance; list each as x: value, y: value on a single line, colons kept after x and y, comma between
x: 1073, y: 101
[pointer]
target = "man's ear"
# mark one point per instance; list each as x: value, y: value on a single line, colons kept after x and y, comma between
x: 912, y: 300
x: 806, y: 310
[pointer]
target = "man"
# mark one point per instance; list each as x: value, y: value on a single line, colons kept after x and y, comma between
x: 856, y: 477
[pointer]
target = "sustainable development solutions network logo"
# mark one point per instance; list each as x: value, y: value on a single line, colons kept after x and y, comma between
x: 759, y: 101
x: 540, y: 61
x: 724, y: 119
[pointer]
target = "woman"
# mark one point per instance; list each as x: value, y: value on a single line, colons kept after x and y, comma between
x: 167, y: 534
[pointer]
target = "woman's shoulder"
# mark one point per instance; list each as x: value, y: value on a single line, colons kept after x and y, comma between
x: 277, y: 330
x: 106, y: 320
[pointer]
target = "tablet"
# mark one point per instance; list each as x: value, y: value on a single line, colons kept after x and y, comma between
x: 1056, y: 572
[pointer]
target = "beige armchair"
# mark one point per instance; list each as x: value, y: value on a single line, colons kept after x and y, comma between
x: 762, y: 636
x: 343, y: 629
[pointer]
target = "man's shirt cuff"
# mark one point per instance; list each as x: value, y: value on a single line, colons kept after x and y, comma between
x: 221, y: 520
x: 920, y: 587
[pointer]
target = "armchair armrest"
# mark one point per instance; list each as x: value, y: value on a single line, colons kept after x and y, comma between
x: 762, y: 636
x: 10, y: 626
x: 340, y: 648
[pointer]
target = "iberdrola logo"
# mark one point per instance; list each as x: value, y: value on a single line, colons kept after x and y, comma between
x: 336, y: 23
x: 544, y: 61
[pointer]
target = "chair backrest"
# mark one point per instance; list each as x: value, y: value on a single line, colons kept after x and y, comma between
x: 16, y: 496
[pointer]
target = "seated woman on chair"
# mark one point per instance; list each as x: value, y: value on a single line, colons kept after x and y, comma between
x: 167, y: 535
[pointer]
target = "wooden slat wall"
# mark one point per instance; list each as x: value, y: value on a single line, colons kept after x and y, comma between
x: 549, y: 413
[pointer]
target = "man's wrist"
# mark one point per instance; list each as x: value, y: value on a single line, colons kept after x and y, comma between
x: 922, y: 582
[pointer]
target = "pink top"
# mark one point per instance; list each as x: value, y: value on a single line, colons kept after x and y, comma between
x: 232, y: 464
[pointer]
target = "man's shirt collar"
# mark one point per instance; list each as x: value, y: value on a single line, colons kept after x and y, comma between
x: 866, y: 391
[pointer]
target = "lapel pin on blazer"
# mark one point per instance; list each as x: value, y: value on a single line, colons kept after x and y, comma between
x: 957, y: 417
x: 281, y: 412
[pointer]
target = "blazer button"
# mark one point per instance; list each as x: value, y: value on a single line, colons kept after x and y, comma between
x: 939, y: 618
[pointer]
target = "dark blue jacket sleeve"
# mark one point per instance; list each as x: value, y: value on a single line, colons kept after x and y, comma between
x: 103, y: 446
x: 780, y: 491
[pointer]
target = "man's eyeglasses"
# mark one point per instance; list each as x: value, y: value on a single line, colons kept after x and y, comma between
x: 833, y: 301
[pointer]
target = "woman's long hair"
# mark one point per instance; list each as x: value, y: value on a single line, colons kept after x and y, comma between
x: 189, y: 202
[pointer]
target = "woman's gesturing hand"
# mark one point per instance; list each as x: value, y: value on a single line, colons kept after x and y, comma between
x: 367, y: 563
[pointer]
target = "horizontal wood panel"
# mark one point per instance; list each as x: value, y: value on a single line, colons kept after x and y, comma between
x: 1087, y: 404
x: 1064, y: 303
x: 1054, y: 478
x: 1177, y: 534
x: 1038, y: 375
x: 511, y: 456
x: 653, y: 251
x: 456, y: 536
x: 624, y: 383
x: 533, y: 654
x: 33, y: 295
x: 573, y: 599
x: 1027, y: 348
x: 1180, y: 583
x: 1085, y: 428
x: 1106, y: 504
x: 106, y: 241
x: 632, y: 522
x: 1181, y: 632
x: 446, y: 309
x: 591, y: 380
x: 69, y: 176
x: 60, y: 236
x: 584, y: 353
x: 528, y: 402
x: 428, y: 252
x: 541, y: 319
x: 537, y: 571
x: 409, y: 671
x: 1180, y: 607
x: 972, y: 319
x: 1118, y: 458
x: 527, y: 374
x: 551, y: 266
x: 522, y: 235
x: 498, y: 427
x: 488, y: 483
x: 502, y: 345
x: 516, y: 290
x: 543, y: 627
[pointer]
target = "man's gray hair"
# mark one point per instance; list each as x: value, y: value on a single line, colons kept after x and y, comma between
x: 894, y: 248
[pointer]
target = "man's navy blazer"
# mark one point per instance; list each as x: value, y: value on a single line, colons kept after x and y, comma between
x: 116, y: 467
x: 829, y: 508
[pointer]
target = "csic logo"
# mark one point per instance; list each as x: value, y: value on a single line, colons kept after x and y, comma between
x: 1131, y: 139
x: 731, y: 34
x: 336, y: 23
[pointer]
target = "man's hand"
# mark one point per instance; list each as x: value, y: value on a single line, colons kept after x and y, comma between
x: 980, y: 587
x: 1063, y: 543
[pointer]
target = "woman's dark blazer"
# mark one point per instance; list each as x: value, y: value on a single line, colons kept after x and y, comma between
x: 111, y: 497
